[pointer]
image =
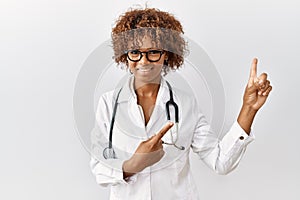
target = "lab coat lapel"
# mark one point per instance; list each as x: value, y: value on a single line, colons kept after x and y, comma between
x: 158, y: 116
x: 128, y: 116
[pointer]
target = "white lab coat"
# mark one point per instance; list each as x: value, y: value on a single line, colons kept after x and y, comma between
x: 170, y: 178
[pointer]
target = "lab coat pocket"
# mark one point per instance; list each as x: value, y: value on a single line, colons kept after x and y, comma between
x: 176, y: 179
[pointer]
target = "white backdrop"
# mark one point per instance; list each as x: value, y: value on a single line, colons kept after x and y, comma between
x: 43, y: 45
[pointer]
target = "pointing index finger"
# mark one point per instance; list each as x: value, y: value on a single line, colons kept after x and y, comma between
x: 163, y: 131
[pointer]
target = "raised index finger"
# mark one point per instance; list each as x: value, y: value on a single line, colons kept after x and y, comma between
x: 163, y: 131
x: 253, y: 72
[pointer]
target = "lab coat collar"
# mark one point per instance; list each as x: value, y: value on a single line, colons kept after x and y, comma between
x: 128, y: 93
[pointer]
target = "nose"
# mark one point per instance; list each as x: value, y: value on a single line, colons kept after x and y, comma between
x: 144, y: 59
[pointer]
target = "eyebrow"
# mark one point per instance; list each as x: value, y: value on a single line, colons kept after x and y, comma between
x: 147, y: 49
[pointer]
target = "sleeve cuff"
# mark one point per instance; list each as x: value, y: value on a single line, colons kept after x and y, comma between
x: 118, y: 171
x: 118, y: 174
x: 236, y: 136
x: 110, y: 173
x: 131, y: 179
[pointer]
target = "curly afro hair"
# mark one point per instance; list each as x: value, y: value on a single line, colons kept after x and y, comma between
x: 162, y: 27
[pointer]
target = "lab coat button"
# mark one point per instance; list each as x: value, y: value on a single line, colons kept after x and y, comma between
x: 242, y: 137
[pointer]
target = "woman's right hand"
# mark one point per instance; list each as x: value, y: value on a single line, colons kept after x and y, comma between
x: 148, y: 153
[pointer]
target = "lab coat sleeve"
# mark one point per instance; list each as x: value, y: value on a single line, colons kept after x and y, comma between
x: 107, y: 171
x: 224, y: 155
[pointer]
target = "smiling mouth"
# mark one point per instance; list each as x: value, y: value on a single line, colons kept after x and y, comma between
x: 141, y: 69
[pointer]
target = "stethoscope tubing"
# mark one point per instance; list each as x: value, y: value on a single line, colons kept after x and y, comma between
x: 109, y: 152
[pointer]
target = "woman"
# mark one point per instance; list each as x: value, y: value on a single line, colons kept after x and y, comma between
x: 147, y: 156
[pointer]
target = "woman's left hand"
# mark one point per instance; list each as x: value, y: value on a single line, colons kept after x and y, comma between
x: 257, y: 89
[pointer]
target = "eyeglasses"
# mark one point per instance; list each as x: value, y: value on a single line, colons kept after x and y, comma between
x: 151, y: 55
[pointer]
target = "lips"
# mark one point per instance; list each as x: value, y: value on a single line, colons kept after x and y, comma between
x: 144, y: 69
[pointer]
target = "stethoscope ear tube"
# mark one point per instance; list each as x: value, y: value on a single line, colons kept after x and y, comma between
x: 113, y: 119
x: 171, y: 102
x: 109, y: 152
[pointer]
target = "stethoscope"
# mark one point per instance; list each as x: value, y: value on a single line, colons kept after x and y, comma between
x: 109, y: 153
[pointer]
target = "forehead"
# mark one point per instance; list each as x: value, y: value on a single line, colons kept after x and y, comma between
x: 148, y: 38
x: 143, y: 43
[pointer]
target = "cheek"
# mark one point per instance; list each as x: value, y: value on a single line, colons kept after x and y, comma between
x: 131, y: 65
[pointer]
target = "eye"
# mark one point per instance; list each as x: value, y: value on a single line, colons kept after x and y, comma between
x: 134, y: 52
x: 154, y: 52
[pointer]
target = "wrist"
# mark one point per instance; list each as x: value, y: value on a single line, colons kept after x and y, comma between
x: 249, y: 109
x: 127, y: 169
x: 131, y: 166
x: 246, y: 117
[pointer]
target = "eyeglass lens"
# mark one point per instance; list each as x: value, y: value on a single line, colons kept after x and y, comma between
x: 151, y: 55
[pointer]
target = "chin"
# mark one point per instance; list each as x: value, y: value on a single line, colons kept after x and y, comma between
x: 147, y: 79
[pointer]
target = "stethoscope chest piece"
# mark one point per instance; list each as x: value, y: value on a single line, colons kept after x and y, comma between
x: 109, y: 153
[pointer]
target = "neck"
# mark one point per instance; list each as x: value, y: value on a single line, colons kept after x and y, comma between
x: 146, y: 89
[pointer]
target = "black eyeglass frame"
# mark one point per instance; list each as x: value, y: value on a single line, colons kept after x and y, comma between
x: 146, y: 52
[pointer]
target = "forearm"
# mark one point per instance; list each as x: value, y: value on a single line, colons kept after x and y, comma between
x: 130, y: 168
x: 126, y: 169
x: 246, y: 117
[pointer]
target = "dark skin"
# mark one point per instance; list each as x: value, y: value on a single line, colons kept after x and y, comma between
x: 151, y: 151
x: 147, y: 101
x: 255, y: 96
x: 148, y: 153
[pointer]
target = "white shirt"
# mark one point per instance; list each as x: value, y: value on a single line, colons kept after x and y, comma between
x: 171, y: 177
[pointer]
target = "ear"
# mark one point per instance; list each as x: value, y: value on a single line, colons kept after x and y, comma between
x: 166, y: 55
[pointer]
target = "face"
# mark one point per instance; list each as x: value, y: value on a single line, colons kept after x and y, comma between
x: 145, y: 71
